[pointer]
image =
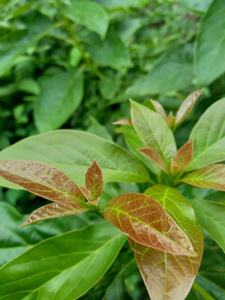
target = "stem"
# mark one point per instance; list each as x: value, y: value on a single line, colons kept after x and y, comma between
x: 202, y: 292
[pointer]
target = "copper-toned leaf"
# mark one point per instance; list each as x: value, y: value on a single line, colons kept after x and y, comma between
x: 211, y: 177
x: 168, y: 276
x: 183, y: 158
x: 41, y: 179
x: 187, y: 106
x: 154, y: 157
x: 170, y: 119
x: 144, y: 220
x: 86, y: 193
x: 123, y: 122
x: 94, y: 180
x: 159, y: 109
x: 54, y: 210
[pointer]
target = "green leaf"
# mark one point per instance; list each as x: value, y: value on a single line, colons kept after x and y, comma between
x: 144, y: 220
x: 133, y: 142
x: 197, y: 5
x: 211, y: 288
x: 171, y: 72
x: 209, y: 58
x: 98, y: 129
x: 168, y: 276
x: 209, y: 137
x: 110, y: 53
x: 16, y: 43
x: 66, y: 261
x: 15, y: 240
x: 88, y: 14
x: 212, y: 177
x: 41, y: 179
x: 122, y: 3
x: 94, y: 180
x: 153, y: 131
x: 60, y: 95
x: 211, y: 216
x: 73, y: 151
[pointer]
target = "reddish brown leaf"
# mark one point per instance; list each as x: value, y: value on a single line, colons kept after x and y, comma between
x: 86, y: 193
x: 144, y: 220
x: 41, y: 179
x: 123, y: 122
x: 159, y: 109
x: 154, y: 157
x: 168, y: 276
x: 183, y: 158
x: 94, y: 180
x: 54, y: 210
x: 170, y: 119
x: 210, y: 177
x: 187, y: 106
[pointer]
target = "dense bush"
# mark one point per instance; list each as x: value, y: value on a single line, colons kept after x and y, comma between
x: 73, y: 65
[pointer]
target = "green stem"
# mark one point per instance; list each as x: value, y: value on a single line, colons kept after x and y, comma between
x: 202, y: 292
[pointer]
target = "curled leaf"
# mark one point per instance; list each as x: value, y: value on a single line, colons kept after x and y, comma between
x: 41, y: 179
x: 54, y: 210
x: 144, y: 220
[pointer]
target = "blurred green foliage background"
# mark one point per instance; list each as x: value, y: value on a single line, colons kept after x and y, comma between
x: 75, y: 63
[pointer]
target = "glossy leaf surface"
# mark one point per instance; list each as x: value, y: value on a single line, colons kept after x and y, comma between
x: 211, y: 216
x: 209, y: 137
x: 88, y: 14
x: 41, y: 179
x: 54, y: 210
x: 154, y: 157
x: 153, y: 131
x: 187, y: 106
x: 212, y: 177
x: 183, y: 157
x: 209, y: 58
x: 144, y: 220
x: 73, y: 152
x: 61, y: 267
x: 56, y: 105
x: 94, y: 180
x: 169, y: 276
x: 134, y: 143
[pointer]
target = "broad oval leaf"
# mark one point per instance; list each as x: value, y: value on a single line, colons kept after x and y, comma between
x: 153, y: 131
x: 89, y: 14
x: 183, y: 158
x: 94, y: 180
x: 73, y: 151
x: 60, y: 95
x: 144, y: 220
x: 211, y: 216
x: 168, y: 276
x: 59, y: 267
x: 187, y: 106
x: 209, y: 137
x: 54, y: 210
x: 209, y: 55
x: 41, y: 179
x: 211, y: 177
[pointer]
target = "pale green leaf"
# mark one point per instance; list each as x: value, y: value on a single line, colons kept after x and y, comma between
x: 62, y: 267
x: 60, y: 95
x: 211, y: 216
x: 73, y: 151
x: 88, y: 14
x: 209, y: 137
x: 209, y: 58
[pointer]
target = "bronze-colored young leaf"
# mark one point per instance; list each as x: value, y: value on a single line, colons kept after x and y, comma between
x: 123, y: 122
x: 168, y: 276
x: 144, y: 220
x: 86, y: 193
x: 41, y: 179
x: 54, y: 210
x: 211, y: 177
x: 183, y: 158
x: 159, y: 109
x: 187, y: 106
x: 154, y: 157
x: 94, y: 180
